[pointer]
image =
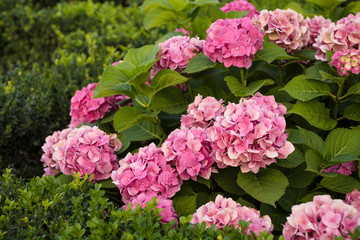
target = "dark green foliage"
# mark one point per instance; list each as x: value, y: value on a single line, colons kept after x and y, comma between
x: 47, y: 208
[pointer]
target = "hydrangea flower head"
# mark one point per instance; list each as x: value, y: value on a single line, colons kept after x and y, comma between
x: 286, y: 28
x: 323, y: 218
x: 343, y: 168
x: 190, y: 151
x: 226, y: 212
x: 202, y: 112
x: 344, y: 35
x: 84, y: 150
x: 353, y: 198
x: 346, y: 61
x: 240, y: 5
x: 168, y: 212
x: 315, y: 25
x: 233, y: 42
x: 250, y: 134
x: 147, y: 171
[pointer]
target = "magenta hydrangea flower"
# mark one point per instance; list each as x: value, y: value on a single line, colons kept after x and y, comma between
x: 343, y: 168
x: 315, y: 25
x: 250, y: 134
x: 286, y: 28
x: 53, y: 142
x: 202, y: 112
x: 190, y: 151
x: 233, y: 42
x: 343, y: 35
x: 323, y: 218
x: 226, y: 212
x: 86, y: 109
x: 168, y: 212
x: 84, y: 150
x: 353, y: 198
x: 240, y: 5
x: 147, y: 171
x: 346, y: 61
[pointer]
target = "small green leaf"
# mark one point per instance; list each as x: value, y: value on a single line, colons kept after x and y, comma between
x: 166, y: 78
x: 342, y: 141
x: 315, y: 113
x: 185, y: 205
x: 313, y: 161
x: 267, y: 186
x: 313, y: 72
x: 352, y: 112
x: 199, y: 63
x: 226, y: 179
x: 139, y: 83
x: 354, y: 89
x: 313, y: 140
x: 170, y: 100
x: 125, y: 116
x: 341, y: 183
x: 271, y: 52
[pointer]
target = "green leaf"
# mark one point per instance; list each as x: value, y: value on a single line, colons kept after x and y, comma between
x: 351, y: 7
x: 204, y: 181
x: 315, y: 113
x: 202, y: 198
x: 199, y: 63
x: 216, y: 13
x: 305, y: 54
x: 151, y: 4
x: 110, y: 90
x: 326, y: 4
x: 139, y: 83
x: 170, y: 100
x: 343, y: 158
x: 243, y: 202
x: 341, y: 183
x: 295, y: 136
x: 157, y: 16
x: 271, y: 52
x: 313, y: 161
x: 313, y: 140
x: 299, y: 178
x: 313, y: 72
x: 185, y: 205
x: 309, y: 197
x: 240, y: 91
x: 124, y: 141
x: 328, y: 77
x: 291, y: 197
x: 278, y: 216
x: 342, y: 141
x: 226, y: 179
x: 108, y: 183
x: 166, y: 78
x: 354, y: 89
x: 64, y: 179
x: 293, y: 160
x: 144, y: 131
x: 236, y: 14
x: 267, y: 186
x: 143, y: 56
x: 304, y: 89
x: 129, y: 116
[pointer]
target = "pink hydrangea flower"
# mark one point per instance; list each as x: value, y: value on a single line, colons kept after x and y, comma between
x: 182, y: 30
x: 353, y: 199
x: 53, y: 142
x: 315, y: 25
x: 84, y: 150
x: 168, y: 212
x: 202, y: 112
x: 226, y: 212
x: 250, y: 134
x: 286, y: 28
x: 233, y: 42
x: 323, y: 218
x: 343, y: 35
x: 343, y: 168
x: 86, y: 109
x: 240, y: 5
x: 190, y: 151
x: 147, y: 171
x: 346, y: 61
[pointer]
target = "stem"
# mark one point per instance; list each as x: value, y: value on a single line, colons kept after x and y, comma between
x: 338, y: 95
x: 190, y: 90
x: 242, y: 76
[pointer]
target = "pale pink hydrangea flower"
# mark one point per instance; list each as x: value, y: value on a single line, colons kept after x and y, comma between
x: 226, y: 212
x: 85, y: 150
x: 189, y: 150
x: 343, y: 35
x: 346, y: 61
x: 250, y: 134
x: 343, y: 168
x: 240, y: 5
x: 202, y: 112
x: 286, y: 28
x: 168, y: 212
x: 51, y: 143
x: 315, y: 25
x: 147, y: 171
x: 323, y: 218
x: 233, y: 42
x: 353, y: 199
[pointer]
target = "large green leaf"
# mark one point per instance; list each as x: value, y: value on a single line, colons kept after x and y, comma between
x: 298, y: 177
x: 293, y: 160
x: 291, y: 197
x: 352, y: 112
x: 139, y: 82
x: 342, y: 141
x: 170, y: 100
x: 226, y: 179
x: 314, y: 72
x: 185, y: 205
x: 151, y: 4
x: 199, y: 63
x: 312, y: 140
x: 157, y: 16
x: 143, y: 131
x: 267, y: 186
x: 143, y: 56
x: 326, y: 4
x: 166, y: 78
x: 354, y: 89
x: 240, y: 91
x: 313, y: 161
x: 341, y: 183
x: 271, y: 52
x: 129, y: 116
x: 304, y: 89
x: 351, y: 7
x: 315, y: 113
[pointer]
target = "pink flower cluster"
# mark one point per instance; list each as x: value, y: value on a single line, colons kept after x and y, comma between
x: 344, y: 35
x: 240, y: 5
x: 147, y: 171
x: 353, y: 199
x: 226, y: 212
x: 176, y: 52
x: 286, y: 28
x: 84, y: 150
x: 344, y: 168
x: 190, y: 151
x: 346, y: 61
x: 168, y: 212
x: 86, y: 109
x: 250, y: 134
x: 202, y: 112
x: 315, y: 25
x: 233, y: 42
x: 323, y: 218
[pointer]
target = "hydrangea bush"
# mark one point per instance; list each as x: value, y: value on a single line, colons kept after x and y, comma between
x: 264, y: 130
